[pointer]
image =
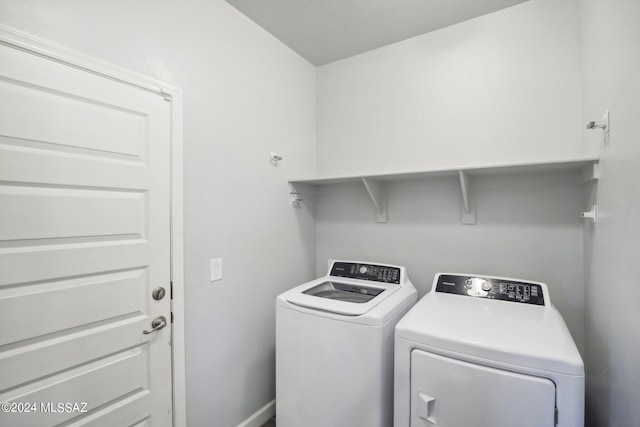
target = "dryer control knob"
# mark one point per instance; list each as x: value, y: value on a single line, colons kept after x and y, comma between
x: 486, y: 286
x: 363, y: 269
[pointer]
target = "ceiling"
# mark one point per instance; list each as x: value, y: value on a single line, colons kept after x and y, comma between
x: 324, y: 31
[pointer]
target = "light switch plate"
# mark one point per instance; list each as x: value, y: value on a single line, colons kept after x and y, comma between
x: 216, y: 269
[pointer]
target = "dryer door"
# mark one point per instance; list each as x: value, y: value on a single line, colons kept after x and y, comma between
x: 447, y: 392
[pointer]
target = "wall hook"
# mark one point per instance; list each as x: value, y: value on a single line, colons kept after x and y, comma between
x: 592, y: 214
x: 295, y: 199
x: 274, y: 158
x: 605, y: 125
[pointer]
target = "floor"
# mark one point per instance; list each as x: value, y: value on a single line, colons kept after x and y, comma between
x: 270, y: 423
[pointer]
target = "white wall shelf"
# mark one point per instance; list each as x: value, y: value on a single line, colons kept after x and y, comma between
x: 374, y: 183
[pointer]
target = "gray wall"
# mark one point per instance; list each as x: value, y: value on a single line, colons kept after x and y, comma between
x: 245, y: 94
x: 503, y: 87
x: 610, y: 31
x: 527, y: 227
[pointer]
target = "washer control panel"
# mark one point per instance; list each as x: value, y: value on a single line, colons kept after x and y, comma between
x: 491, y: 288
x: 376, y: 273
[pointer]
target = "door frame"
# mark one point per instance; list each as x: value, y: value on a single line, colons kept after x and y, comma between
x: 36, y: 46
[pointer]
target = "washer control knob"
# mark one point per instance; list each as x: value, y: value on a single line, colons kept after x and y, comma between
x: 486, y: 286
x: 363, y: 269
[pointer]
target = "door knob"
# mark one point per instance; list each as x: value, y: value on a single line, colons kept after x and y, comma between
x: 157, y: 324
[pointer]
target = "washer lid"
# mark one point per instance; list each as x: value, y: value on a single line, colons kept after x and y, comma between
x: 348, y: 297
x: 344, y: 292
x: 517, y: 334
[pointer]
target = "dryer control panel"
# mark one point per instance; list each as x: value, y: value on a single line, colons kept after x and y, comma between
x: 376, y: 273
x: 491, y: 288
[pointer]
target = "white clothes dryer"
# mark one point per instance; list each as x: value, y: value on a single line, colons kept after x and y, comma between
x: 334, y: 346
x: 486, y: 352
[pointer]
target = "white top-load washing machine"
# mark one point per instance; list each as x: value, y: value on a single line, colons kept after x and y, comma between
x: 334, y: 346
x: 486, y: 352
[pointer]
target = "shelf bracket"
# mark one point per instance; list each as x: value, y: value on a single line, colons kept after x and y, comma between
x: 592, y: 214
x: 468, y: 211
x: 378, y: 197
x: 295, y: 194
x: 590, y: 172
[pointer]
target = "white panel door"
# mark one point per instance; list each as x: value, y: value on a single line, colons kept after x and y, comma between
x: 84, y: 239
x: 447, y: 392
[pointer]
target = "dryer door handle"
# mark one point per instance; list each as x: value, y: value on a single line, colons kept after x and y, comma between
x: 428, y: 408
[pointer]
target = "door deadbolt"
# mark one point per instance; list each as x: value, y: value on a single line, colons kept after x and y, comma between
x: 158, y: 293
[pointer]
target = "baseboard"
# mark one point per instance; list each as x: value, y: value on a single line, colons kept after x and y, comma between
x: 261, y: 416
